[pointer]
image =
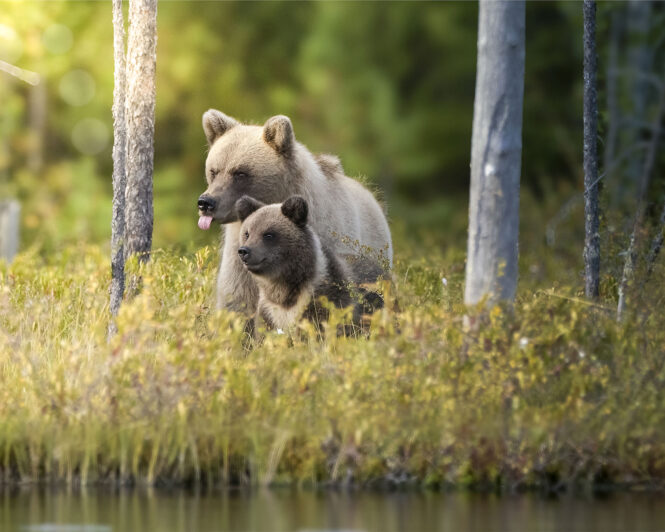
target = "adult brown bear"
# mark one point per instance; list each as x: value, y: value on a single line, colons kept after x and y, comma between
x: 267, y: 163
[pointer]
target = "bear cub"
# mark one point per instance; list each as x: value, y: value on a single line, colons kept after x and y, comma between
x: 291, y: 267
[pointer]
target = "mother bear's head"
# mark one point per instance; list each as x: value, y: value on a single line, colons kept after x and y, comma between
x: 256, y: 161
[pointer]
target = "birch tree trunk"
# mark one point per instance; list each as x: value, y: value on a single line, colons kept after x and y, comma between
x: 591, y: 217
x: 140, y: 116
x: 645, y: 180
x: 119, y: 176
x: 496, y: 151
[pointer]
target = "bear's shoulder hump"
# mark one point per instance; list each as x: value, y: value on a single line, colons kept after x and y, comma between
x: 330, y: 165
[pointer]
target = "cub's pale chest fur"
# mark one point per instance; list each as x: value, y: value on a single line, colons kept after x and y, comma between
x: 283, y: 317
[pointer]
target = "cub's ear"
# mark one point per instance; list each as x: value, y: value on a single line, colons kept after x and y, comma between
x: 246, y: 206
x: 278, y: 132
x: 295, y: 209
x: 216, y: 123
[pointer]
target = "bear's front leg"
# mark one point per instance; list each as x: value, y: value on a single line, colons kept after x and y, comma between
x: 236, y: 290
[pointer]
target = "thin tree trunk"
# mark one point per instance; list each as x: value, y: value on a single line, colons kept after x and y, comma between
x: 140, y: 116
x: 656, y: 244
x: 640, y: 54
x: 38, y: 101
x: 591, y: 217
x: 614, y: 115
x: 645, y: 181
x: 640, y: 63
x: 10, y: 218
x: 496, y: 151
x: 119, y: 161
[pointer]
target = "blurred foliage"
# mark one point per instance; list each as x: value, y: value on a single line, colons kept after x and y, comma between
x: 388, y: 87
x: 551, y: 394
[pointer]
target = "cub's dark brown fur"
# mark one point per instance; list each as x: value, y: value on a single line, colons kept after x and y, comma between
x: 291, y: 267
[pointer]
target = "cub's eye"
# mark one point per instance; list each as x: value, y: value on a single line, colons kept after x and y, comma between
x: 213, y: 173
x: 246, y: 235
x: 239, y: 174
x: 268, y: 236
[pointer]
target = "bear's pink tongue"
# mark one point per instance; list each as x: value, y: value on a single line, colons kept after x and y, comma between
x: 204, y: 222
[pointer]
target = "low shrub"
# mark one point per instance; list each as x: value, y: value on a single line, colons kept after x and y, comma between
x: 551, y: 393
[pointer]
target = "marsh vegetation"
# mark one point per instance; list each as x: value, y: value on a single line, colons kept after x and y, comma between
x: 552, y: 394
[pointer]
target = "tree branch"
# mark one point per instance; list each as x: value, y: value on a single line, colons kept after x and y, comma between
x: 24, y: 75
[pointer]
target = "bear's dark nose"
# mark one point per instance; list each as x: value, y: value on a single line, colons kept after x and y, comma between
x: 206, y: 203
x: 243, y: 252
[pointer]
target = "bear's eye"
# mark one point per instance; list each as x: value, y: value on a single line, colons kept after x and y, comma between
x: 239, y: 174
x: 213, y: 173
x: 246, y: 235
x: 268, y: 236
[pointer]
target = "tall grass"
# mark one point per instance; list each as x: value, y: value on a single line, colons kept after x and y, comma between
x: 551, y: 393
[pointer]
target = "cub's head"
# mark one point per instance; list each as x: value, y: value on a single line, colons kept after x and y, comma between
x: 275, y: 242
x: 256, y: 161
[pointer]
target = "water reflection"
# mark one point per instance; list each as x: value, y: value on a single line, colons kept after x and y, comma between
x: 41, y: 510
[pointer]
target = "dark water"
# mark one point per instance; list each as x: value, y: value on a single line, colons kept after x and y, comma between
x: 280, y: 511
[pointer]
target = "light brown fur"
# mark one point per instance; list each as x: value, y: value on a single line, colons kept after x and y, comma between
x: 270, y: 165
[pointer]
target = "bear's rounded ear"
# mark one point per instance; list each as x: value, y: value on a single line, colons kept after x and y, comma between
x: 216, y: 123
x: 278, y: 132
x: 246, y: 206
x: 295, y: 209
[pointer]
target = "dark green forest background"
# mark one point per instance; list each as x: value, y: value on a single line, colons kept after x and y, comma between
x: 388, y: 87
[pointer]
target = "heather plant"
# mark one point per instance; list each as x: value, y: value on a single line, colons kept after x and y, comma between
x: 551, y: 393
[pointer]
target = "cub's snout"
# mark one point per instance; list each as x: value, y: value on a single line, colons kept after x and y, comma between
x: 244, y: 253
x: 252, y: 259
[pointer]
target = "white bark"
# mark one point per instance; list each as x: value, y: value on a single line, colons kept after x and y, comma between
x: 140, y: 116
x: 496, y: 151
x: 119, y: 156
